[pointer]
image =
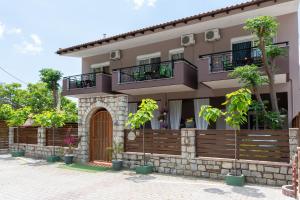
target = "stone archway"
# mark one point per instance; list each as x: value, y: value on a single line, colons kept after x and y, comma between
x: 116, y: 106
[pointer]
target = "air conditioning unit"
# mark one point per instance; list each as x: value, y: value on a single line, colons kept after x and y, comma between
x: 187, y: 40
x: 115, y: 55
x: 212, y: 35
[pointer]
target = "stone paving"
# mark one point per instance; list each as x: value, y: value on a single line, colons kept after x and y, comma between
x: 27, y: 179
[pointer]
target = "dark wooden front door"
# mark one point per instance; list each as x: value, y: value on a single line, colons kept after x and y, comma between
x: 100, y: 136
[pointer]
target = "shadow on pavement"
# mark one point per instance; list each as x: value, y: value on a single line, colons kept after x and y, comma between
x: 249, y: 192
x: 139, y: 178
x: 215, y: 191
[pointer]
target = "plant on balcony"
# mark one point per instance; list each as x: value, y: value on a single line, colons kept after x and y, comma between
x: 113, y: 151
x: 51, y: 119
x: 17, y: 118
x: 137, y: 121
x: 237, y: 105
x: 265, y: 28
x: 165, y: 70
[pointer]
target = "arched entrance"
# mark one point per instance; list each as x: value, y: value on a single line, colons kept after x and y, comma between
x: 101, y: 132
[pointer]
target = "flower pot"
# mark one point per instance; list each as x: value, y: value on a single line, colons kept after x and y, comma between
x: 18, y: 153
x: 145, y: 169
x: 117, y: 165
x: 52, y: 159
x: 235, y: 180
x: 69, y: 159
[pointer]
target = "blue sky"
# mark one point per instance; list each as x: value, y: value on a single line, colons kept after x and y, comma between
x: 32, y: 30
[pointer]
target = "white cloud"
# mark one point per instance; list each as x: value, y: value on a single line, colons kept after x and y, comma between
x: 14, y: 30
x: 33, y: 47
x: 151, y: 3
x: 2, y: 29
x: 138, y: 4
x: 8, y: 31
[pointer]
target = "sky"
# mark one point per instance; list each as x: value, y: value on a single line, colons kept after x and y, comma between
x: 32, y: 30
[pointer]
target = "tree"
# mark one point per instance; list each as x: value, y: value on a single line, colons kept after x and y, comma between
x: 13, y: 95
x: 51, y: 78
x: 237, y: 105
x: 141, y: 117
x: 52, y: 119
x: 70, y: 109
x: 6, y: 112
x: 39, y: 97
x: 18, y: 118
x: 265, y: 28
x: 250, y: 77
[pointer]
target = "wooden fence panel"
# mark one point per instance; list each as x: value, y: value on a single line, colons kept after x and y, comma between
x: 296, y: 121
x: 60, y: 134
x: 27, y: 135
x: 156, y: 141
x: 3, y: 135
x: 267, y: 145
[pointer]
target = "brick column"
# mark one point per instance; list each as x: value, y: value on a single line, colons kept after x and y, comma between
x: 188, y: 148
x: 11, y: 138
x: 293, y: 142
x: 41, y: 136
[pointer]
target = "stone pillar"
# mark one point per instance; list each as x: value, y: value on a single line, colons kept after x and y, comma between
x: 11, y: 138
x: 293, y: 142
x: 41, y: 136
x: 188, y: 147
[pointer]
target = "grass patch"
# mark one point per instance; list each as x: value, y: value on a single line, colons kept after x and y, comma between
x: 85, y: 168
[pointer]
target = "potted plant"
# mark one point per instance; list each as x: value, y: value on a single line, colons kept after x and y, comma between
x: 237, y: 105
x: 189, y: 123
x: 53, y: 119
x: 117, y: 148
x: 17, y: 119
x: 138, y: 121
x: 69, y: 153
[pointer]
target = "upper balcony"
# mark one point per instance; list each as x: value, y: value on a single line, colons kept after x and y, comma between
x: 168, y: 76
x: 213, y: 69
x: 87, y: 85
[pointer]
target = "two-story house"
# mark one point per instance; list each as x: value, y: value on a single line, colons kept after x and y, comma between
x: 182, y: 64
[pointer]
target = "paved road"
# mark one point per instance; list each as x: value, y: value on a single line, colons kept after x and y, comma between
x: 26, y: 179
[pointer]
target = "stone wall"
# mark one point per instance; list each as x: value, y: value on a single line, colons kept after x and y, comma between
x: 260, y: 172
x: 116, y: 105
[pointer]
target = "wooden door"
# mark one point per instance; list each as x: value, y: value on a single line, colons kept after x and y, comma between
x: 100, y: 136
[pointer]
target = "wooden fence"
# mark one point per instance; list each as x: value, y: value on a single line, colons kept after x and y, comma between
x: 156, y: 141
x: 60, y: 134
x: 267, y: 145
x: 26, y: 135
x: 3, y: 135
x: 296, y: 121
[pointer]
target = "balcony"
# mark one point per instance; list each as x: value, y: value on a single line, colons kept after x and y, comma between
x: 87, y: 85
x: 168, y: 76
x: 214, y: 68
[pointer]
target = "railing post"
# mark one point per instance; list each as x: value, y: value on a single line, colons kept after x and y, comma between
x: 293, y: 142
x: 11, y: 131
x: 41, y: 136
x: 188, y: 147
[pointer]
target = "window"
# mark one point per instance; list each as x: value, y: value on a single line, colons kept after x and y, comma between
x: 148, y: 59
x: 176, y: 54
x: 101, y: 68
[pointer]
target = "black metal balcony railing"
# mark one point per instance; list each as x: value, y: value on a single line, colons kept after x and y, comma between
x: 228, y: 60
x: 151, y: 71
x: 81, y: 81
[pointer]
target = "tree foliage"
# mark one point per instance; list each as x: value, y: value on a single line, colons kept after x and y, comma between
x: 19, y: 116
x: 143, y: 115
x: 6, y: 111
x: 265, y: 28
x: 50, y: 119
x: 51, y: 78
